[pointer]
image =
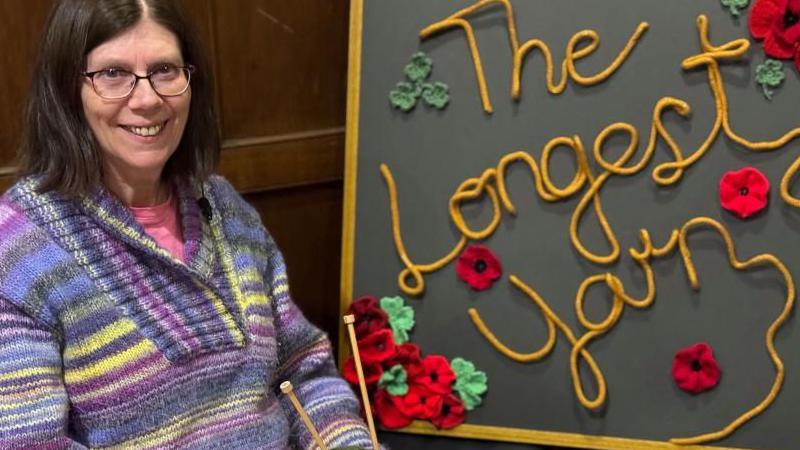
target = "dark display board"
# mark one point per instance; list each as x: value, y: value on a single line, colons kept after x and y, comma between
x: 695, y: 104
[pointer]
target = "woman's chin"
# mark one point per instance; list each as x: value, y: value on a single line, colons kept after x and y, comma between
x: 144, y: 166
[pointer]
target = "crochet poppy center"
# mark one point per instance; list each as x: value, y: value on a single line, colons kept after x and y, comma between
x: 790, y: 18
x: 445, y: 409
x: 696, y: 366
x: 744, y: 191
x: 480, y: 266
x: 434, y: 376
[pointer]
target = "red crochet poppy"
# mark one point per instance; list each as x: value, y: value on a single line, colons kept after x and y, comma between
x: 408, y: 356
x: 744, y: 192
x: 376, y: 347
x: 478, y: 266
x: 694, y: 368
x: 389, y: 415
x: 436, y: 374
x: 452, y: 414
x: 369, y: 316
x: 372, y: 372
x: 777, y: 22
x: 419, y: 402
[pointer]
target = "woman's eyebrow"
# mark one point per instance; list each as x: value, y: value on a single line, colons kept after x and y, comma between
x: 104, y: 63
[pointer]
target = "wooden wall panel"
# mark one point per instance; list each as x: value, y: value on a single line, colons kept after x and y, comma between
x: 285, y: 163
x: 22, y: 23
x: 281, y: 65
x: 7, y: 179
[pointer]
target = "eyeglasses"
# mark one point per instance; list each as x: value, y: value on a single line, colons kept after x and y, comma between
x: 166, y: 79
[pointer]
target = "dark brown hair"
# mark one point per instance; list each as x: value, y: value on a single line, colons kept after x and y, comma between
x: 58, y: 146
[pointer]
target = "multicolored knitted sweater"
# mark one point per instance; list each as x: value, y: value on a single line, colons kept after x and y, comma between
x: 106, y: 340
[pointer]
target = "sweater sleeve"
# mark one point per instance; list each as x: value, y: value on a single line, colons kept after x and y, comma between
x: 33, y: 401
x: 306, y: 360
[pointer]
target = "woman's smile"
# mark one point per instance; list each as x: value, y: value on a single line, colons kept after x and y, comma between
x: 145, y: 130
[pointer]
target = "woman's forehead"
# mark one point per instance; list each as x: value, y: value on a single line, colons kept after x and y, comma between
x: 145, y: 42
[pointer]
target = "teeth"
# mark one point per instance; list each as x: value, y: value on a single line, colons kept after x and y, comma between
x: 145, y: 131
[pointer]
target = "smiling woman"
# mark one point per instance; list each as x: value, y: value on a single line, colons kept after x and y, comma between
x: 65, y: 145
x: 142, y: 302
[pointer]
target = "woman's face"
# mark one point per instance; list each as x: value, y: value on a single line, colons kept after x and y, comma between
x: 123, y: 128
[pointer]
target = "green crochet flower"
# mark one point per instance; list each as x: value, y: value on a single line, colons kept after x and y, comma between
x: 404, y: 96
x: 435, y: 94
x: 470, y: 383
x: 419, y: 68
x: 735, y: 5
x: 407, y: 93
x: 394, y: 381
x: 401, y: 317
x: 769, y: 75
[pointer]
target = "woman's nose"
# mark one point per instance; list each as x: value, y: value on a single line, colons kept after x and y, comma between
x: 144, y: 96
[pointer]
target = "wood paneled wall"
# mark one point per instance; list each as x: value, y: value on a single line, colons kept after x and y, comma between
x: 280, y: 71
x: 20, y: 28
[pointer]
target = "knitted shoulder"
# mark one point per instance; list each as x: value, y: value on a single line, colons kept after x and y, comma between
x: 12, y: 217
x: 231, y: 204
x: 15, y: 205
x: 31, y: 262
x: 240, y: 219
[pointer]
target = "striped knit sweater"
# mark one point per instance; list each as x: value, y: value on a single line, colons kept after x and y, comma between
x: 106, y: 340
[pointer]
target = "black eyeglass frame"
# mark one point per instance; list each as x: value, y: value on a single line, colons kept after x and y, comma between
x: 188, y: 68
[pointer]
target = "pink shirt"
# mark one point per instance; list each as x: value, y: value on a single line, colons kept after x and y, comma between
x: 162, y: 223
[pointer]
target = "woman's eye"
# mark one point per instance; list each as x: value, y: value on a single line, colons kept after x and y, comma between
x: 110, y: 73
x: 164, y: 69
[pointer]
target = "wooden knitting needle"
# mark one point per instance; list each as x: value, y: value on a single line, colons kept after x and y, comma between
x: 349, y: 320
x: 286, y: 388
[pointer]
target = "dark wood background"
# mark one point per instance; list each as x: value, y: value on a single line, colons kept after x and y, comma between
x: 281, y: 69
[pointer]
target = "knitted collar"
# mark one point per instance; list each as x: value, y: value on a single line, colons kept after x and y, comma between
x: 107, y: 211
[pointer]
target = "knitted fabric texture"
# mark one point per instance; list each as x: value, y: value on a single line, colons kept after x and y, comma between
x: 107, y: 340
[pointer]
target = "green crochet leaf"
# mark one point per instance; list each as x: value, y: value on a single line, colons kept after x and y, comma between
x: 404, y: 96
x: 769, y: 75
x: 419, y: 68
x: 394, y: 381
x: 470, y: 383
x: 735, y: 6
x: 435, y: 94
x: 401, y: 317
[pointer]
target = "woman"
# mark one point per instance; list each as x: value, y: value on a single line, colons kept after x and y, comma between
x: 142, y: 302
